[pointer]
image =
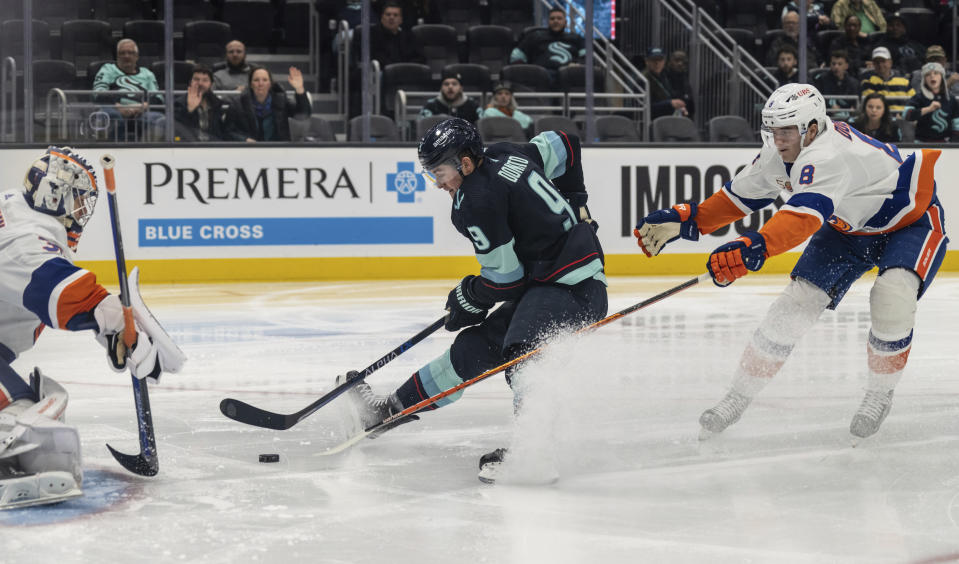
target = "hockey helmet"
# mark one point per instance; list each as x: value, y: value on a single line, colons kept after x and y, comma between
x: 61, y: 183
x: 448, y: 141
x: 794, y: 104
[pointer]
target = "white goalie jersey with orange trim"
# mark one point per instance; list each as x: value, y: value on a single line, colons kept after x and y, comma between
x: 39, y: 284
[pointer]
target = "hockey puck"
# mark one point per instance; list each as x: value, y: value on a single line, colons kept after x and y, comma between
x: 269, y: 458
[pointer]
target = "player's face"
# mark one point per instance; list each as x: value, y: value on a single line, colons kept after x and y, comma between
x: 446, y: 177
x: 786, y: 140
x: 874, y: 109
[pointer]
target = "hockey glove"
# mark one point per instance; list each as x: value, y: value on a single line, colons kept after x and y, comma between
x: 736, y: 258
x: 465, y: 310
x: 110, y: 323
x: 665, y: 226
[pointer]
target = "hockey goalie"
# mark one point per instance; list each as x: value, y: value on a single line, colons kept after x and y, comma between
x: 40, y: 225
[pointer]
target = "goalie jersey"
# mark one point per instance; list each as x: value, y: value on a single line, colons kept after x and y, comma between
x: 39, y: 284
x: 858, y: 185
x: 523, y: 209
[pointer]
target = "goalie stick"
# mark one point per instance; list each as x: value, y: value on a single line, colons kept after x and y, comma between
x: 391, y: 420
x: 252, y: 415
x: 145, y: 463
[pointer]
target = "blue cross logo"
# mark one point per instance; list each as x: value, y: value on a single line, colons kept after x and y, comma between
x: 405, y: 182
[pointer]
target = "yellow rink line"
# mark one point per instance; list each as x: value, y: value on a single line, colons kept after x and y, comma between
x: 406, y: 268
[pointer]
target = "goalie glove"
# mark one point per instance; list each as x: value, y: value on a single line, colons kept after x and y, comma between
x: 736, y: 258
x: 465, y: 310
x: 141, y: 358
x: 665, y: 226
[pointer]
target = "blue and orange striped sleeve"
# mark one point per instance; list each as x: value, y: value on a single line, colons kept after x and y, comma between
x: 59, y: 292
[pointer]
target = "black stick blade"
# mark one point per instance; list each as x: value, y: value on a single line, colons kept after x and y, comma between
x: 246, y: 413
x: 139, y: 464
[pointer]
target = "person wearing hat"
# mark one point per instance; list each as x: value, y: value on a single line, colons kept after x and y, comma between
x: 907, y: 55
x: 452, y: 101
x: 936, y: 54
x: 868, y: 12
x: 503, y: 105
x: 934, y: 110
x: 886, y: 80
x: 552, y: 47
x: 664, y: 98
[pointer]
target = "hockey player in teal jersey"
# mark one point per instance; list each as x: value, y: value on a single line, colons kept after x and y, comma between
x: 523, y: 207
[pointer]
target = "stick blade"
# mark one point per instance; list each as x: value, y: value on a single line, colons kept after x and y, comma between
x: 138, y: 464
x: 251, y: 415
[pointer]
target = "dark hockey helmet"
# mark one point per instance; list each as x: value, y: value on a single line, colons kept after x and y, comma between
x: 449, y: 140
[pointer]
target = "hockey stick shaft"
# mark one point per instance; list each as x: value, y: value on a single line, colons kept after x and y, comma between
x: 146, y: 462
x: 606, y: 320
x: 252, y: 415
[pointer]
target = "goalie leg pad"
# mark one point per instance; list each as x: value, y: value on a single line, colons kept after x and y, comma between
x: 34, y: 439
x: 38, y: 489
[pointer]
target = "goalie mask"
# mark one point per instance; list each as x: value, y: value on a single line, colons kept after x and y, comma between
x: 61, y: 183
x: 794, y: 104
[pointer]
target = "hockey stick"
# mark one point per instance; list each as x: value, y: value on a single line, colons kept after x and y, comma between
x: 251, y: 415
x: 145, y: 463
x: 393, y: 419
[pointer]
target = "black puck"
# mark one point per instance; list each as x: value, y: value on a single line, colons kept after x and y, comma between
x: 269, y: 458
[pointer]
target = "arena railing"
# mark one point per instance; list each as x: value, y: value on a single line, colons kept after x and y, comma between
x: 8, y: 99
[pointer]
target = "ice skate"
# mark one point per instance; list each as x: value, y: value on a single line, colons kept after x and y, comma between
x: 372, y: 408
x: 872, y: 411
x: 723, y: 414
x: 490, y: 465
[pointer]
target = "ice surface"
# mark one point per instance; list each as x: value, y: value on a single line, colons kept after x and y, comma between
x: 614, y: 413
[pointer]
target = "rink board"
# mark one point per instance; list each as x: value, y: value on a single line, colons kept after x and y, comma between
x: 309, y: 213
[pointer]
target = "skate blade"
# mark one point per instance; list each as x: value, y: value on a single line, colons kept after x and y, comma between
x: 705, y: 434
x: 490, y: 473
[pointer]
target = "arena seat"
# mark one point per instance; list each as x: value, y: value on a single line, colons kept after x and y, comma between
x: 205, y: 41
x: 495, y: 129
x: 85, y: 41
x: 382, y: 128
x: 615, y: 129
x: 476, y: 78
x: 730, y: 129
x: 556, y: 123
x: 438, y: 44
x: 489, y: 45
x: 11, y: 40
x: 674, y: 129
x: 150, y: 39
x: 313, y: 129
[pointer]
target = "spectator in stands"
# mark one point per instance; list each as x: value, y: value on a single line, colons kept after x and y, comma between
x: 907, y: 55
x: 934, y: 110
x: 885, y: 80
x: 199, y: 113
x: 786, y: 70
x: 389, y: 42
x: 130, y: 115
x: 790, y: 22
x: 552, y: 48
x: 868, y: 12
x: 503, y: 105
x: 838, y: 82
x: 664, y: 98
x: 936, y: 54
x: 262, y: 111
x: 852, y: 43
x: 236, y: 73
x: 875, y: 120
x: 452, y: 101
x: 816, y: 18
x: 677, y: 71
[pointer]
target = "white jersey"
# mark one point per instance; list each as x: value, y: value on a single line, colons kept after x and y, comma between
x: 39, y: 284
x: 857, y: 184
